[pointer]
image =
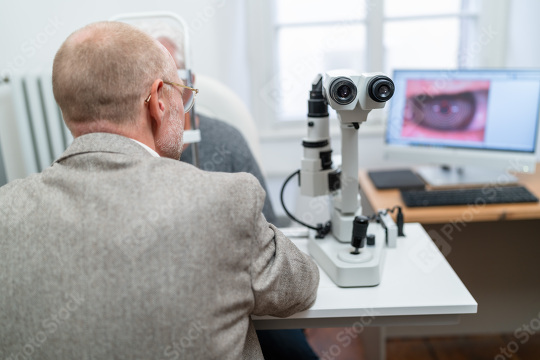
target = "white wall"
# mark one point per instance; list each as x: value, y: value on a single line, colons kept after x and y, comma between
x: 523, y: 46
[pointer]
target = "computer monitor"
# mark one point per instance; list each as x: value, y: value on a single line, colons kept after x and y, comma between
x: 482, y: 122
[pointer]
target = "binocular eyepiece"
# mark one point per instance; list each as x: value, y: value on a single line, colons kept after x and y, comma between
x: 344, y: 91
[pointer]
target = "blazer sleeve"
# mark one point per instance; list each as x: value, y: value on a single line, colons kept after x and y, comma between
x: 284, y: 279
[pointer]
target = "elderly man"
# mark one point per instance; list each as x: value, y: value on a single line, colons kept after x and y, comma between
x: 120, y: 251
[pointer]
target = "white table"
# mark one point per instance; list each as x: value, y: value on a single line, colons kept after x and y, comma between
x: 418, y: 287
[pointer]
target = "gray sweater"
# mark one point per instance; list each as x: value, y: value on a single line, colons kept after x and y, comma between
x: 224, y: 149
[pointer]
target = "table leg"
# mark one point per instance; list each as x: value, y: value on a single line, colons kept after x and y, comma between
x: 374, y: 339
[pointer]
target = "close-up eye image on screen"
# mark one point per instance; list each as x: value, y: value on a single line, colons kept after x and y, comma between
x: 483, y: 110
x: 450, y: 109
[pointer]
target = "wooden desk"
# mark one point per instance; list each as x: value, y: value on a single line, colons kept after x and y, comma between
x: 496, y: 260
x: 382, y: 199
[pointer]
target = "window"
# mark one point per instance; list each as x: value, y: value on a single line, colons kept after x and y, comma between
x: 311, y: 36
x: 428, y: 34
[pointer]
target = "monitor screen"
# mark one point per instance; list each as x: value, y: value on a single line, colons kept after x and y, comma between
x: 478, y: 117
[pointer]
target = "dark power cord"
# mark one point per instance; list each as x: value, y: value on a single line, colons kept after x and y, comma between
x: 322, y: 230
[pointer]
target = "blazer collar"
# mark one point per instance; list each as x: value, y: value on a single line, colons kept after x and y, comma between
x: 103, y: 142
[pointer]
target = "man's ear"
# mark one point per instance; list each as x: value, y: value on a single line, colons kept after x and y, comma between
x: 156, y: 105
x: 192, y: 78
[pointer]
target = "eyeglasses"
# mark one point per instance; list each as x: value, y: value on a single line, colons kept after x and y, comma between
x: 188, y: 95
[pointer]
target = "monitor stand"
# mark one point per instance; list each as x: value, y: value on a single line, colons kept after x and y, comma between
x: 464, y: 176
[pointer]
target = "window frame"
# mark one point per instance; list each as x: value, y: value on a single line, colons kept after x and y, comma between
x: 487, y: 50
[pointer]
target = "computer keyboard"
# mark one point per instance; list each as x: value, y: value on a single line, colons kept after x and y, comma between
x: 468, y: 196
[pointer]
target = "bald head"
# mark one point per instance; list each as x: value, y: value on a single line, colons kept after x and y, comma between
x: 104, y: 71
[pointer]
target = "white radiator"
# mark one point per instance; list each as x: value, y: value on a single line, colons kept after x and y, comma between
x: 39, y: 135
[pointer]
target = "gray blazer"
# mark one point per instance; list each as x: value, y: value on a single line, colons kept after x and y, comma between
x: 114, y: 254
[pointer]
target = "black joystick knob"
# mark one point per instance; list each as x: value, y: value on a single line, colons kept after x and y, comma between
x: 358, y: 241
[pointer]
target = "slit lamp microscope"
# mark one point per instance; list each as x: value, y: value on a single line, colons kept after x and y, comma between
x: 342, y: 247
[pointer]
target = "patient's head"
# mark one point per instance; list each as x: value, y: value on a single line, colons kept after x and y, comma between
x: 171, y: 36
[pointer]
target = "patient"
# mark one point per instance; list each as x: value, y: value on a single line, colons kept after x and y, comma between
x: 222, y: 147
